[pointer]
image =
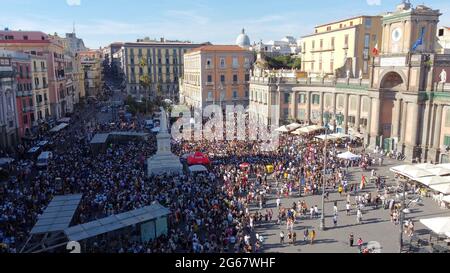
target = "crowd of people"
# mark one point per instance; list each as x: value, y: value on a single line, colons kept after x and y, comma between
x: 210, y: 213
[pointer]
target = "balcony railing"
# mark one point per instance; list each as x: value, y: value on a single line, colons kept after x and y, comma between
x: 28, y: 109
x: 24, y: 93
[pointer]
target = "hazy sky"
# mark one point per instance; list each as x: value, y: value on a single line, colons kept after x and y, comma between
x: 100, y: 22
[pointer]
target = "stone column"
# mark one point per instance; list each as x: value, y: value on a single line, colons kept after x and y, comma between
x: 375, y: 123
x: 404, y: 110
x: 425, y: 130
x: 308, y: 107
x: 346, y: 106
x: 396, y: 120
x: 294, y: 105
x: 322, y: 102
x: 358, y: 113
x: 435, y: 151
x: 413, y: 112
x: 334, y: 103
x: 369, y: 124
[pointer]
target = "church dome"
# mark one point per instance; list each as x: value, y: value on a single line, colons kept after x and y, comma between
x: 243, y: 40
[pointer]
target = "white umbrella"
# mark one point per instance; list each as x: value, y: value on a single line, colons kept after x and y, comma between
x: 340, y: 135
x: 443, y: 188
x: 282, y: 129
x: 293, y: 126
x: 438, y: 171
x: 349, y: 156
x: 446, y: 199
x: 440, y: 225
x: 433, y: 180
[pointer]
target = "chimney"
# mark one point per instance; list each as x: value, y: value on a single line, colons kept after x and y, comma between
x: 163, y: 40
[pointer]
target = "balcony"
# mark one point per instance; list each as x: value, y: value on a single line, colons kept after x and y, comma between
x: 28, y: 109
x: 27, y: 93
x: 323, y: 49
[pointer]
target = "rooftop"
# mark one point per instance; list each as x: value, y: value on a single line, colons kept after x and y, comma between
x: 212, y: 48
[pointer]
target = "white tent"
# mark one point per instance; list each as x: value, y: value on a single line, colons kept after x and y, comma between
x: 308, y: 129
x: 349, y: 156
x: 282, y: 129
x: 438, y: 171
x: 440, y: 225
x: 340, y: 135
x: 443, y: 188
x: 416, y: 173
x: 400, y: 169
x: 446, y: 199
x: 426, y: 166
x: 433, y: 180
x: 328, y: 137
x: 293, y: 126
x: 447, y: 234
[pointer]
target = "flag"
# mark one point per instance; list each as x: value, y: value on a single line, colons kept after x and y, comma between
x: 419, y: 41
x: 375, y: 50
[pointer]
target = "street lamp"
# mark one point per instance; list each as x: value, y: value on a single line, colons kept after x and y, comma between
x: 327, y: 117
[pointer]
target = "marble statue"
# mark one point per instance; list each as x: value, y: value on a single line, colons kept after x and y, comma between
x: 360, y: 74
x: 443, y: 76
x: 348, y: 74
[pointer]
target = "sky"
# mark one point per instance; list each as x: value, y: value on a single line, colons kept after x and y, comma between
x: 100, y: 22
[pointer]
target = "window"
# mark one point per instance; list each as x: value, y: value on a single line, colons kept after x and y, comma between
x: 313, y: 45
x: 287, y: 98
x: 332, y: 43
x: 368, y: 23
x: 222, y: 63
x: 247, y: 77
x: 321, y: 43
x: 346, y: 41
x: 25, y: 119
x: 247, y: 62
x: 328, y: 28
x: 366, y: 67
x: 447, y: 119
x: 141, y: 71
x: 351, y: 23
x: 209, y: 78
x: 235, y: 78
x: 315, y: 99
x: 246, y: 93
x: 140, y: 52
x: 235, y: 94
x: 25, y: 37
x: 441, y: 32
x: 222, y: 78
x: 367, y: 41
x: 235, y: 62
x: 447, y: 140
x: 210, y: 95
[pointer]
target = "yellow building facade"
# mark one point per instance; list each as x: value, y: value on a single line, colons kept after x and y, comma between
x: 341, y: 46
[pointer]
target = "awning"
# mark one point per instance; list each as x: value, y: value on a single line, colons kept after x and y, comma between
x: 340, y: 135
x: 433, y: 180
x: 308, y: 129
x: 59, y: 128
x: 442, y: 188
x: 349, y: 156
x: 440, y: 225
x: 411, y: 171
x: 293, y: 126
x: 439, y: 171
x: 58, y: 214
x: 328, y: 137
x: 282, y: 129
x: 116, y: 222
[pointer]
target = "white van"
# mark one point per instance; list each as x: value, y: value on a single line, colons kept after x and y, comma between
x: 44, y: 159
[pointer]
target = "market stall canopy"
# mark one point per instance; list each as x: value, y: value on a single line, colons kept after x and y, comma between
x: 6, y: 161
x: 59, y: 128
x: 440, y: 225
x: 282, y: 129
x: 328, y: 137
x: 293, y: 126
x: 349, y: 156
x: 308, y: 129
x: 439, y: 171
x: 447, y: 234
x: 197, y: 169
x: 411, y: 171
x: 198, y: 158
x: 433, y: 180
x: 446, y: 199
x: 340, y: 136
x: 442, y: 188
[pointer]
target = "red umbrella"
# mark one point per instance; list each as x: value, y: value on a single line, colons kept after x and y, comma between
x: 198, y: 159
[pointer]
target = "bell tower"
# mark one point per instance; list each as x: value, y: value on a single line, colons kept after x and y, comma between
x: 398, y: 76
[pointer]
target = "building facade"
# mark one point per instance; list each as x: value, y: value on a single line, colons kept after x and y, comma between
x: 443, y: 45
x: 9, y: 133
x: 159, y: 62
x: 404, y: 105
x: 91, y: 62
x: 41, y: 94
x: 216, y: 74
x: 338, y: 47
x: 285, y: 47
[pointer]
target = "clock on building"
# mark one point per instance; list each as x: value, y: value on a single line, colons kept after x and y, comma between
x: 396, y: 34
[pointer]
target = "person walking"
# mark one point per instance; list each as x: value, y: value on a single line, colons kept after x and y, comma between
x: 360, y: 244
x: 294, y: 238
x: 335, y: 209
x: 312, y: 236
x: 335, y: 220
x: 359, y: 216
x: 351, y: 240
x: 305, y: 235
x: 347, y: 208
x: 281, y: 237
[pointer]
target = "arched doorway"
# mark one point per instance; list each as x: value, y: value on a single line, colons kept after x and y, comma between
x: 391, y: 83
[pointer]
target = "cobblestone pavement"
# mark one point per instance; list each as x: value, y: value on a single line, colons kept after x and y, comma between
x: 376, y: 225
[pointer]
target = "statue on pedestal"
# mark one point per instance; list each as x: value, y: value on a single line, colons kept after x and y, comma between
x: 348, y: 74
x: 443, y: 76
